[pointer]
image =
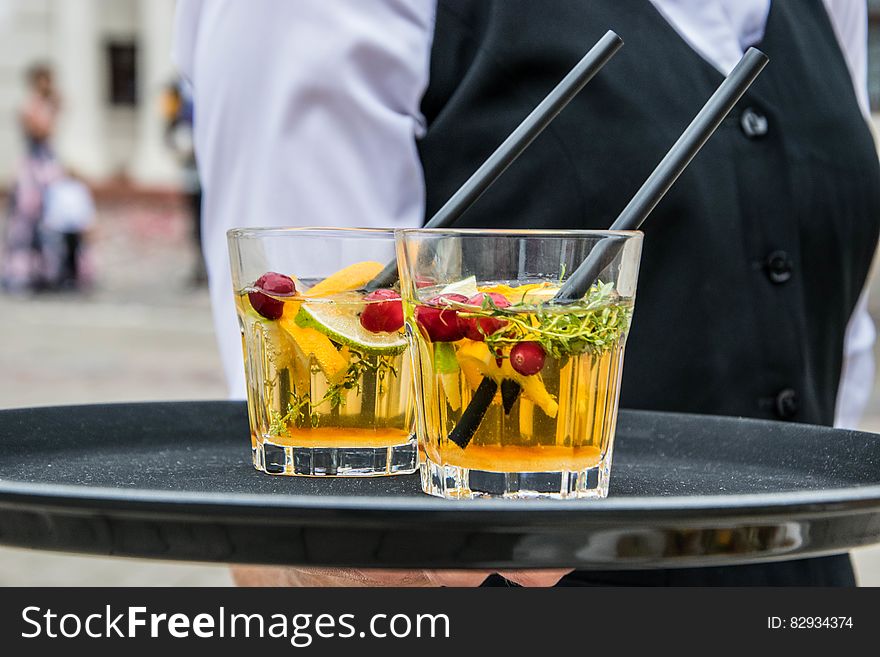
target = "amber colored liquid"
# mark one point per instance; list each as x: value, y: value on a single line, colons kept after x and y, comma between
x: 528, y: 438
x: 373, y: 413
x: 341, y: 437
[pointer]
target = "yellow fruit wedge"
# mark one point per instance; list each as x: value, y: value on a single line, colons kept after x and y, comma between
x: 353, y: 277
x: 527, y: 418
x: 528, y: 293
x: 533, y: 388
x: 446, y: 368
x: 332, y: 363
x: 476, y: 360
x: 452, y: 389
x: 301, y: 373
x: 279, y: 348
x: 563, y: 427
x: 473, y: 373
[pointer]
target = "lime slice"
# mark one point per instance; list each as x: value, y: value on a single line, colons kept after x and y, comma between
x: 341, y: 323
x: 466, y: 286
x: 452, y: 390
x: 445, y: 361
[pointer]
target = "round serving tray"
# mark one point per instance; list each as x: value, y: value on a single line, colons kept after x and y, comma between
x: 175, y: 481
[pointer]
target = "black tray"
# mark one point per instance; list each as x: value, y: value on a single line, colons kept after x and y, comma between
x: 174, y: 481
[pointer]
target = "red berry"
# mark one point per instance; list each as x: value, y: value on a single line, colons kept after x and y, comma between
x: 440, y: 322
x: 473, y: 325
x: 275, y: 284
x: 527, y: 358
x: 385, y: 313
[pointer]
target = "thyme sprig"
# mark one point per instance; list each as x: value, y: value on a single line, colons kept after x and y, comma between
x: 301, y: 412
x: 594, y: 325
x: 298, y: 409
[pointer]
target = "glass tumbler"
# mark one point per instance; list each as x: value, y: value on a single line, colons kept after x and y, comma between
x: 328, y: 379
x: 516, y: 393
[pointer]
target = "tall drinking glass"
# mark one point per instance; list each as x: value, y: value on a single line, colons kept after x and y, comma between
x: 328, y: 382
x: 517, y: 395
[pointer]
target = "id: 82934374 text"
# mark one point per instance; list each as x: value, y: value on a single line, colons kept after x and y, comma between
x: 809, y: 622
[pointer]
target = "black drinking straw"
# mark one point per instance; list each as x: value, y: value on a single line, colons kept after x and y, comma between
x: 515, y: 144
x: 637, y: 210
x: 667, y: 172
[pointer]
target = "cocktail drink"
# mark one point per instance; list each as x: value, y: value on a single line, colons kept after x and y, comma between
x: 517, y: 394
x: 553, y: 373
x: 328, y: 379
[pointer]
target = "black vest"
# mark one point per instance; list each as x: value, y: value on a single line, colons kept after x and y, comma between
x: 753, y: 262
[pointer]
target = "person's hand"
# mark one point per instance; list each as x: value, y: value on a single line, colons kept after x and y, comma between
x: 332, y: 577
x: 537, y: 578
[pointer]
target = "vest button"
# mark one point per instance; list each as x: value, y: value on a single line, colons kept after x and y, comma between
x: 778, y: 267
x: 786, y: 404
x: 753, y: 123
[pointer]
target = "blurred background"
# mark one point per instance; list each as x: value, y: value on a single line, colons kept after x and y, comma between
x: 113, y: 307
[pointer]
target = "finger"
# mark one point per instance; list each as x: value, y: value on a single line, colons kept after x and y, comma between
x: 255, y: 575
x: 327, y: 577
x: 535, y: 577
x: 457, y: 578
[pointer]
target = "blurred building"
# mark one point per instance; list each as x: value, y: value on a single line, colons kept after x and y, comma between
x: 111, y: 60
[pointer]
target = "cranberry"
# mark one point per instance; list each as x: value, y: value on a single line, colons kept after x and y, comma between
x: 275, y: 284
x: 473, y: 325
x: 384, y: 314
x: 527, y: 358
x: 440, y: 323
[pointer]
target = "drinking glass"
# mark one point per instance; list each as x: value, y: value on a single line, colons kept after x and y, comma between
x: 328, y: 382
x: 516, y: 394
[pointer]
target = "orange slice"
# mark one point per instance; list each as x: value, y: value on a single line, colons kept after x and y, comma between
x: 528, y: 293
x: 476, y: 361
x: 533, y: 388
x: 353, y: 277
x: 314, y: 343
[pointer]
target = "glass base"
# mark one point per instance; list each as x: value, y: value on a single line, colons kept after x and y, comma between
x: 336, y: 461
x: 454, y: 482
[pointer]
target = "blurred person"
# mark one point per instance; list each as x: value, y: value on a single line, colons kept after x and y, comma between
x: 372, y: 113
x: 26, y: 257
x: 39, y: 113
x: 69, y: 214
x: 177, y: 108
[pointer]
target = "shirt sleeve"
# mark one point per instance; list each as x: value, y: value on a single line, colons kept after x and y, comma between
x: 850, y: 21
x: 306, y: 113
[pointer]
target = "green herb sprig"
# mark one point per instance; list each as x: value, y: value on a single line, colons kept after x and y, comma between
x: 594, y: 325
x: 301, y: 412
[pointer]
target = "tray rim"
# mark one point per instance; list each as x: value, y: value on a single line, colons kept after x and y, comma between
x: 494, y: 534
x: 68, y: 496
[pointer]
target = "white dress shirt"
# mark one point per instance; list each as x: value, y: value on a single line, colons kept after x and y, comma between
x: 307, y: 113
